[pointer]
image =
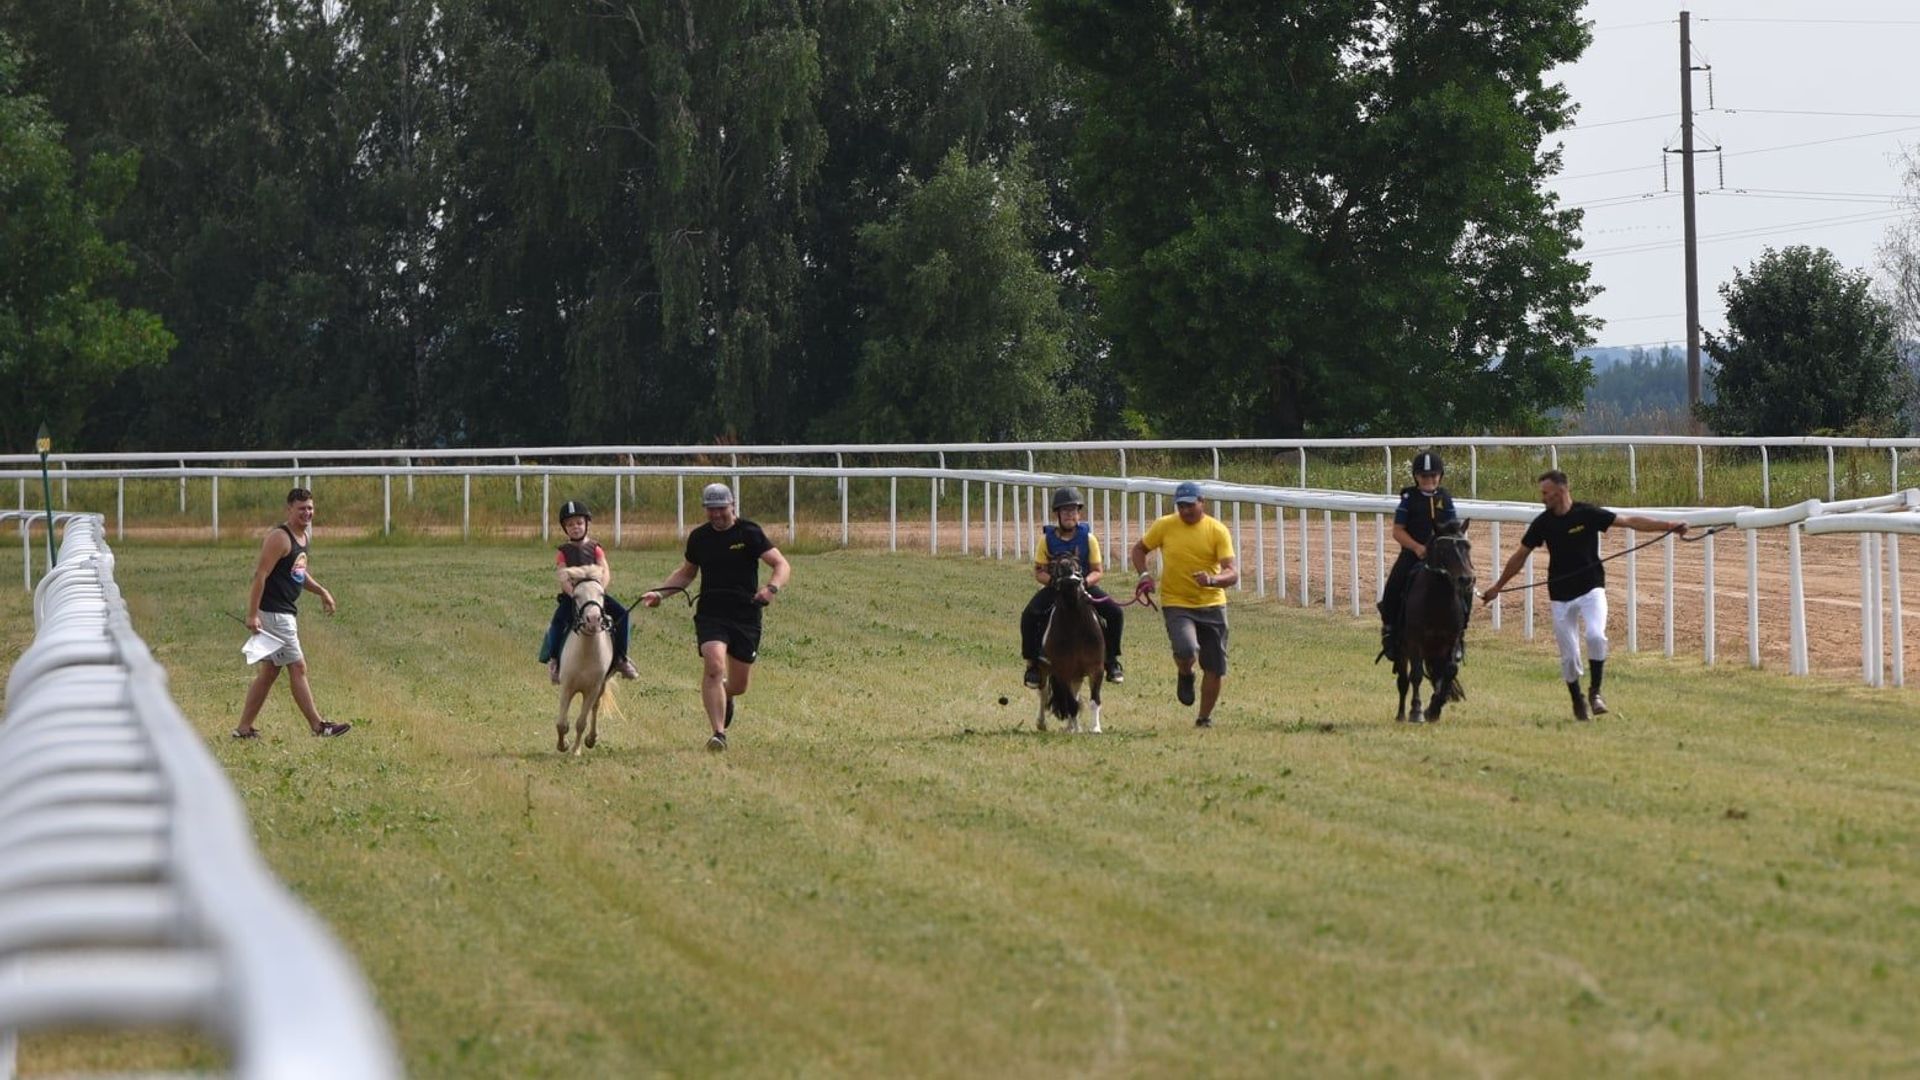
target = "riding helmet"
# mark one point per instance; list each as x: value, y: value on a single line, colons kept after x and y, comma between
x: 572, y: 508
x: 1065, y: 497
x: 1427, y: 461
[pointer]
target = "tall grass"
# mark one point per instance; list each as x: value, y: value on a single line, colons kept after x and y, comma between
x: 891, y: 874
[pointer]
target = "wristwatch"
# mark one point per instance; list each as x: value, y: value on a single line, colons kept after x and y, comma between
x: 773, y: 589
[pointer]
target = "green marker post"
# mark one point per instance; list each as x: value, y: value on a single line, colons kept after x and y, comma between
x: 44, y: 444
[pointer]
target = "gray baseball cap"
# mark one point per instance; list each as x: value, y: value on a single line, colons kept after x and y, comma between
x: 716, y: 495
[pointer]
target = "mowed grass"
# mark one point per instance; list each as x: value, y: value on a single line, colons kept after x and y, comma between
x: 890, y: 873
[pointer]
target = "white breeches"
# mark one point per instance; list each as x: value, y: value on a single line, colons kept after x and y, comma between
x: 1568, y: 617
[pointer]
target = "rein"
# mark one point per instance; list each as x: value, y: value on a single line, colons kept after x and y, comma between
x: 1142, y: 594
x: 664, y: 590
x: 1628, y: 551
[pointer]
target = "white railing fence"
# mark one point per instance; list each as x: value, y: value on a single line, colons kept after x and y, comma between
x: 268, y: 462
x: 130, y: 890
x: 1011, y: 502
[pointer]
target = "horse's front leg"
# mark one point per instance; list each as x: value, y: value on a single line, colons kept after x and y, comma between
x: 1415, y: 670
x: 1098, y: 675
x: 580, y: 721
x: 593, y: 715
x: 566, y: 698
x: 1046, y: 687
x: 1400, y: 671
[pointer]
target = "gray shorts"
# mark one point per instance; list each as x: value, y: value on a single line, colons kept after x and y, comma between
x: 287, y: 629
x: 1199, y: 630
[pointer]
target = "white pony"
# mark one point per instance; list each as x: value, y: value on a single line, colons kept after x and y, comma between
x: 585, y: 657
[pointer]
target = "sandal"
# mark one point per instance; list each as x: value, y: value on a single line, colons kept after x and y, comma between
x: 249, y: 733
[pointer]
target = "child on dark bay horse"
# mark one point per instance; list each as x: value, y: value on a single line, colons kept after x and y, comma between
x: 1069, y: 537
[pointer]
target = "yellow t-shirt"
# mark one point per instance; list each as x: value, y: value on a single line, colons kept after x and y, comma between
x: 1185, y: 548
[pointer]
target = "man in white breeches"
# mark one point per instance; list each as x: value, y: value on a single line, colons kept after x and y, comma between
x: 1576, y: 579
x: 1588, y: 612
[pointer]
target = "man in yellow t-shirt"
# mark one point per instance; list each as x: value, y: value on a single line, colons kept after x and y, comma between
x: 1197, y: 567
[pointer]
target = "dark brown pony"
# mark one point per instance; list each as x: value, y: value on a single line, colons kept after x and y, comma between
x: 1074, y: 648
x: 1434, y: 626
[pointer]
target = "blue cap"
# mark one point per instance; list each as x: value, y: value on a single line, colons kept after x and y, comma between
x: 1187, y: 492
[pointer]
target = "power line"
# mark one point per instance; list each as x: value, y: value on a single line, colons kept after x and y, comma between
x: 1739, y: 193
x: 1749, y: 234
x: 1823, y: 142
x: 1757, y: 150
x: 1633, y: 26
x: 1822, y: 112
x: 1614, y: 201
x: 1578, y: 126
x: 1824, y: 22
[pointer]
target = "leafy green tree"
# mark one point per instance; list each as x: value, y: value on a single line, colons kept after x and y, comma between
x: 1808, y: 349
x: 967, y: 339
x: 60, y: 342
x: 1327, y: 216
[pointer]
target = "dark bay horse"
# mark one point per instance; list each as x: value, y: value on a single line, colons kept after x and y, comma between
x: 1073, y: 649
x: 1434, y: 626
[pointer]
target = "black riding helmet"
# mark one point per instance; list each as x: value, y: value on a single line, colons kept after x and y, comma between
x: 1427, y: 461
x: 571, y: 508
x: 1065, y: 497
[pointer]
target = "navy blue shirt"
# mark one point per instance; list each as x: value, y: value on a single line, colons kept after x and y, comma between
x: 1419, y: 512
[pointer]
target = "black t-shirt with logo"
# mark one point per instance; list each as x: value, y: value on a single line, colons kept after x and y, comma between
x: 729, y: 565
x: 1573, y: 548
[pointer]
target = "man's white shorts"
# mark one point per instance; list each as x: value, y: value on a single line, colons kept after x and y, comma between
x: 287, y: 628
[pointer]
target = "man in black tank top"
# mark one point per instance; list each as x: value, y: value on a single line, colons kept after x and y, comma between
x: 280, y: 575
x: 726, y: 553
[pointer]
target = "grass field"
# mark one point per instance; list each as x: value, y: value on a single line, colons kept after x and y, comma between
x: 890, y: 873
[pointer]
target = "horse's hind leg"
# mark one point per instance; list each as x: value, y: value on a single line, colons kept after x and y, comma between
x: 1045, y: 694
x: 1400, y: 670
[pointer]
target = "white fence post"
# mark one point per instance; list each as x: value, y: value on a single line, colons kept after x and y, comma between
x: 1707, y: 612
x: 1796, y: 606
x: 1633, y: 592
x: 1753, y: 599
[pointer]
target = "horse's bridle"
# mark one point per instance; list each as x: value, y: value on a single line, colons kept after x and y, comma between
x: 1462, y: 586
x: 580, y: 617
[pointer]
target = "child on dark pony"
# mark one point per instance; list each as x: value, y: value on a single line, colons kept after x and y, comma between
x: 581, y: 551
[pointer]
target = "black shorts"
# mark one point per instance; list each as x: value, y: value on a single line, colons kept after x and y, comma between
x: 742, y: 637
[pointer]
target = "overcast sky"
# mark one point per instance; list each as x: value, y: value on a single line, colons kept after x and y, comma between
x: 1774, y: 62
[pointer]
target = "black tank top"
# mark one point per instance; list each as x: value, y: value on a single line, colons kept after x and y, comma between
x: 286, y: 579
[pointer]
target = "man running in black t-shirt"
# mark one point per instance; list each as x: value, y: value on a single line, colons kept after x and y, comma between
x: 726, y: 553
x: 1576, y: 579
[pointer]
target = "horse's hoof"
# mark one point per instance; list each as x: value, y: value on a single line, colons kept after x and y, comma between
x: 591, y: 739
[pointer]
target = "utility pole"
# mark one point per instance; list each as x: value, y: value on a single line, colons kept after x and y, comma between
x: 1691, y: 244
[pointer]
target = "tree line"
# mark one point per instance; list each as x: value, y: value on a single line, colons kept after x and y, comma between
x: 466, y: 222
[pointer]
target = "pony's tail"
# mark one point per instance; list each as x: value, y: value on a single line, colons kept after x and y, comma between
x: 1065, y: 705
x: 608, y: 698
x: 1455, y: 691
